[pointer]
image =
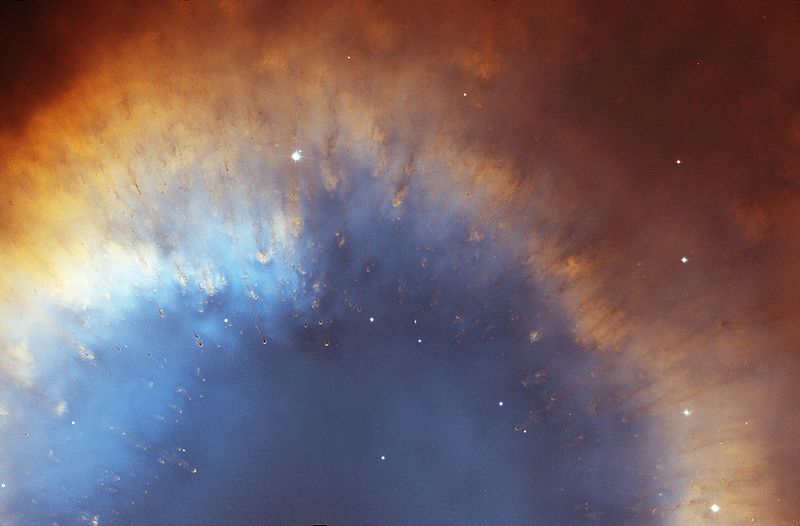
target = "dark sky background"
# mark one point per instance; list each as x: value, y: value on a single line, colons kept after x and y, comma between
x: 534, y: 263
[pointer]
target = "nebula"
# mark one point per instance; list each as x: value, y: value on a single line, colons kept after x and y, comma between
x: 486, y: 262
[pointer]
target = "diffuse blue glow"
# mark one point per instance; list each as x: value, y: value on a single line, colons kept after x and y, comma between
x: 162, y: 423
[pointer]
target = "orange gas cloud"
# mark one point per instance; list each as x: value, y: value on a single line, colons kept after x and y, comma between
x: 561, y: 126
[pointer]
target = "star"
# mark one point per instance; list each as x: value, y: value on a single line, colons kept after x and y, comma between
x: 500, y: 403
x: 684, y: 260
x: 297, y: 155
x: 686, y: 412
x: 383, y: 457
x: 715, y: 508
x: 371, y: 319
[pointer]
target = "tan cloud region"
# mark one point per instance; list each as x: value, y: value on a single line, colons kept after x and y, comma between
x: 557, y: 125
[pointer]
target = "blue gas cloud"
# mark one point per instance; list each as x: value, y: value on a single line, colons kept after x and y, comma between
x: 352, y: 371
